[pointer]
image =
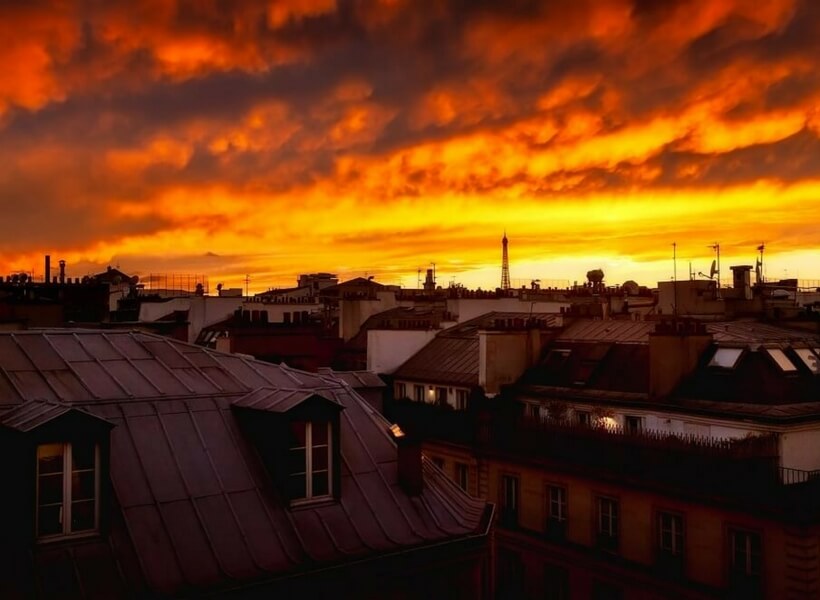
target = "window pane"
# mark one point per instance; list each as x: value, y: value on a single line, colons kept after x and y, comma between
x: 82, y: 456
x: 82, y: 515
x: 319, y: 458
x: 319, y: 433
x: 296, y: 486
x: 297, y: 434
x: 725, y: 358
x: 49, y: 520
x: 50, y: 458
x: 82, y: 485
x: 781, y: 359
x: 51, y: 489
x: 296, y: 461
x: 320, y: 484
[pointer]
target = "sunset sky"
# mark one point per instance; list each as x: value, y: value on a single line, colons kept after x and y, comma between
x: 377, y: 136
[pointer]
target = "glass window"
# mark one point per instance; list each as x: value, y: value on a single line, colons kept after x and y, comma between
x: 418, y: 393
x: 633, y: 424
x: 582, y: 417
x: 781, y: 360
x: 607, y: 523
x: 509, y: 500
x: 745, y: 547
x: 462, y: 475
x: 441, y: 396
x: 557, y: 503
x: 809, y: 359
x: 67, y: 489
x: 726, y: 358
x: 670, y: 534
x: 309, y: 460
x: 401, y: 391
x: 461, y: 399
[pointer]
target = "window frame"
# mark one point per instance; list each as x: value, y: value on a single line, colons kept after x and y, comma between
x: 401, y: 390
x: 462, y: 397
x: 583, y: 418
x: 556, y: 510
x: 418, y: 393
x: 309, y: 471
x: 509, y: 511
x: 747, y: 571
x: 67, y: 501
x: 634, y: 419
x: 607, y: 538
x: 463, y: 475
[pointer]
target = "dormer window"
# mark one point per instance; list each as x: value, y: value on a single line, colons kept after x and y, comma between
x: 726, y: 358
x: 68, y: 489
x: 310, y: 460
x: 809, y: 359
x: 781, y: 360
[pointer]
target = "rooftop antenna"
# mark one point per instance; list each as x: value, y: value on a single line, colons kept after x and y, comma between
x: 247, y: 282
x: 759, y: 263
x: 716, y: 265
x: 418, y: 279
x: 675, y: 277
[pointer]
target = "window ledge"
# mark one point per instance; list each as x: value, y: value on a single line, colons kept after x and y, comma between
x: 306, y: 503
x: 67, y: 539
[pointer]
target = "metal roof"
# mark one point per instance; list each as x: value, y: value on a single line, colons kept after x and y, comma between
x: 195, y: 510
x: 279, y: 400
x: 355, y: 379
x: 31, y: 415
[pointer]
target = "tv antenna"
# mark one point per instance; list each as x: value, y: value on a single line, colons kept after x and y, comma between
x: 759, y: 263
x: 715, y: 269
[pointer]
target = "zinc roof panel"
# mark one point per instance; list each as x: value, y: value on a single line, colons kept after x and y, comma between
x: 193, y: 379
x: 267, y: 543
x: 362, y: 514
x: 152, y: 448
x: 130, y: 378
x: 153, y: 545
x: 42, y: 355
x: 223, y: 379
x: 166, y: 353
x: 128, y: 346
x: 220, y: 431
x: 192, y: 545
x: 68, y: 347
x: 8, y: 393
x: 317, y: 542
x: 161, y: 378
x: 190, y: 454
x: 226, y: 538
x: 239, y: 369
x: 67, y: 386
x: 127, y: 473
x: 98, y: 347
x: 98, y: 380
x: 14, y: 359
x: 33, y: 384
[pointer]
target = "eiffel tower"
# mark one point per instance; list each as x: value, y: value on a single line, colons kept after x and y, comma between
x: 505, y: 264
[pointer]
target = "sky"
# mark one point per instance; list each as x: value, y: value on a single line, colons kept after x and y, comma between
x: 375, y: 137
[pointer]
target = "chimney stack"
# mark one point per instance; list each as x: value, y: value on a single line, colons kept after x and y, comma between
x: 411, y: 478
x: 47, y: 275
x: 62, y: 271
x: 675, y: 348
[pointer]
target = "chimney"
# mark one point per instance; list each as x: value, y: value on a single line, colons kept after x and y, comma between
x: 408, y: 449
x: 62, y: 271
x: 47, y: 275
x: 675, y: 348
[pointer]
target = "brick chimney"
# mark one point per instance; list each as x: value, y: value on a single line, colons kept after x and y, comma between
x: 411, y: 478
x: 675, y: 348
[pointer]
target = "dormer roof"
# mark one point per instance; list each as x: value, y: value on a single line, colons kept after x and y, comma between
x: 36, y: 413
x: 277, y: 400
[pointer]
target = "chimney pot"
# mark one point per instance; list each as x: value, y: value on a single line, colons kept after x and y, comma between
x: 410, y: 474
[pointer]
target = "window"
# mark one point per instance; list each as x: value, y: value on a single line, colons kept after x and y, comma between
x: 582, y: 417
x: 418, y: 393
x: 441, y: 396
x: 670, y: 542
x: 726, y: 358
x: 509, y: 500
x: 556, y: 583
x: 68, y: 489
x: 462, y: 475
x: 745, y: 559
x: 461, y: 399
x: 535, y: 411
x: 309, y: 460
x: 556, y: 511
x: 607, y: 525
x: 401, y: 391
x: 809, y: 359
x: 633, y: 425
x: 781, y: 360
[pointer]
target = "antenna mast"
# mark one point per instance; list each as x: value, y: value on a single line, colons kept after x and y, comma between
x: 716, y: 248
x: 675, y: 277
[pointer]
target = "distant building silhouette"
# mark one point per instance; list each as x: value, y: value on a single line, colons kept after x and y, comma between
x: 505, y: 264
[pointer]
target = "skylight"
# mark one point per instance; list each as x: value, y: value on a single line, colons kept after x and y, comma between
x: 809, y: 359
x: 782, y: 360
x: 726, y: 358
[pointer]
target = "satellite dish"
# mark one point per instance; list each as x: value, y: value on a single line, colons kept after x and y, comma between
x: 712, y: 270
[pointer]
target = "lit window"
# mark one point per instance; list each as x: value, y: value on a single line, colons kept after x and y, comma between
x: 310, y: 459
x: 670, y: 534
x: 418, y: 393
x: 809, y: 359
x: 608, y: 524
x: 745, y: 553
x: 461, y: 399
x: 462, y: 475
x: 68, y: 489
x: 781, y: 360
x: 726, y: 358
x: 509, y: 500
